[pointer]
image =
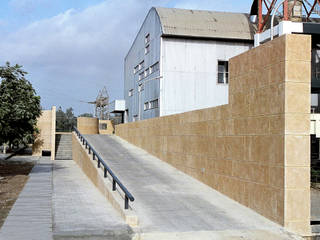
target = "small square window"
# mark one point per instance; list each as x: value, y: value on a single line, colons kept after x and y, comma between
x: 154, y: 68
x: 103, y: 126
x: 153, y: 104
x: 140, y: 87
x: 223, y: 72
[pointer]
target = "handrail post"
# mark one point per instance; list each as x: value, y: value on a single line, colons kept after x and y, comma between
x: 93, y: 156
x: 126, y: 202
x: 98, y: 163
x: 89, y: 150
x: 114, y: 186
x: 105, y: 172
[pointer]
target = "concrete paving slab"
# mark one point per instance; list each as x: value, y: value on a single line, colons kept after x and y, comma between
x: 169, y: 202
x: 80, y: 211
x: 31, y: 216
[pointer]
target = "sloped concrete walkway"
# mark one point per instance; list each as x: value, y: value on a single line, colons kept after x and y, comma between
x: 31, y: 215
x: 172, y: 205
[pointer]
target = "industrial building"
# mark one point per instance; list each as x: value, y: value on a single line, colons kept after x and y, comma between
x: 178, y: 61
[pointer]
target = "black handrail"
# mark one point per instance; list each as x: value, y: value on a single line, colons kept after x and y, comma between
x: 115, y: 180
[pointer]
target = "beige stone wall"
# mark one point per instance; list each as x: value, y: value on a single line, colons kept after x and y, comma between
x: 88, y: 125
x: 255, y: 149
x: 109, y: 129
x: 46, y: 139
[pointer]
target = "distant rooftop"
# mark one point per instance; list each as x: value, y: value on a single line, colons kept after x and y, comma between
x: 205, y: 24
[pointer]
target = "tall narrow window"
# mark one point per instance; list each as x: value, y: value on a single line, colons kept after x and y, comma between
x: 130, y: 93
x: 141, y: 65
x: 146, y: 106
x: 136, y: 69
x: 147, y: 39
x: 147, y: 49
x: 141, y: 76
x: 223, y: 72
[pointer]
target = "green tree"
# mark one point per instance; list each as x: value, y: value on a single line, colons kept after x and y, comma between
x: 65, y: 120
x: 19, y: 106
x: 86, y: 115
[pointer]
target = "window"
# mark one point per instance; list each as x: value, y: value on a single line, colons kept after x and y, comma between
x: 153, y: 104
x: 223, y: 72
x: 136, y: 69
x: 141, y: 76
x: 141, y: 65
x: 146, y: 106
x: 147, y: 49
x: 103, y: 126
x: 140, y: 87
x: 154, y: 68
x: 130, y: 93
x: 146, y: 72
x: 147, y: 38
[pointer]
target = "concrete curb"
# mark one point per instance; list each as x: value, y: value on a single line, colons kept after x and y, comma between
x: 89, y: 167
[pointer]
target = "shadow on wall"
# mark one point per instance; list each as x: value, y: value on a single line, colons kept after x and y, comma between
x: 37, y: 145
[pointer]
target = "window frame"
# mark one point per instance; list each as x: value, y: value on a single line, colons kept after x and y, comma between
x: 225, y: 72
x: 147, y: 38
x: 147, y: 49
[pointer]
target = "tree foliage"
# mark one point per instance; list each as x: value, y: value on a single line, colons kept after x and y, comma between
x: 65, y: 120
x: 19, y: 106
x: 86, y: 115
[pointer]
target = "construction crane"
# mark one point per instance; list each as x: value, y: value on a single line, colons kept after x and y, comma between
x: 101, y: 105
x: 294, y: 10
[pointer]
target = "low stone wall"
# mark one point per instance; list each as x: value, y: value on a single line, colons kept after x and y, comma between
x: 88, y: 165
x: 256, y: 149
x: 88, y: 125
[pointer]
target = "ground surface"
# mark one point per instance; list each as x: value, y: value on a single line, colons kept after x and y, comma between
x: 31, y: 215
x: 59, y: 202
x: 13, y: 176
x: 80, y: 210
x: 171, y: 202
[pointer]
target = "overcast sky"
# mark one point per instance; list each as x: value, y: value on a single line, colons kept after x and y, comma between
x: 72, y: 48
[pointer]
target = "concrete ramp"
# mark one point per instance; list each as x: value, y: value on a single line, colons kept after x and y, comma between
x: 80, y: 210
x: 173, y: 205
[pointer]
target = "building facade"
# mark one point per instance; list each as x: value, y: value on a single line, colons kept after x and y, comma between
x: 178, y: 61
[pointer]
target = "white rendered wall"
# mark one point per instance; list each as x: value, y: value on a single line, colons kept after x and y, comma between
x: 189, y: 69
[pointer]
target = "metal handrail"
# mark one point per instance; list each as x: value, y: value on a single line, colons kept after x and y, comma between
x: 115, y: 180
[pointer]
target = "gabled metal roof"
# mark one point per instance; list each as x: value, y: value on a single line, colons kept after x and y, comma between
x: 205, y: 24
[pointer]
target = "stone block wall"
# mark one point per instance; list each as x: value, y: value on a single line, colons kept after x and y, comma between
x: 256, y: 149
x: 45, y: 141
x: 88, y: 125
